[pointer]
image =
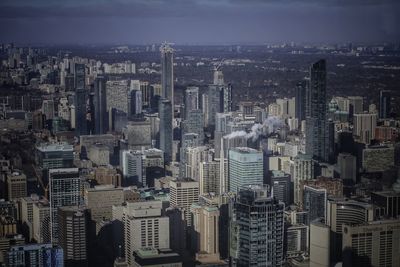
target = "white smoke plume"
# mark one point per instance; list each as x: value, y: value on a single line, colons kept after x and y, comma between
x: 270, y: 125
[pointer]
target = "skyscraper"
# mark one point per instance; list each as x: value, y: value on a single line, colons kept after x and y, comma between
x: 167, y: 72
x: 100, y: 105
x: 314, y: 201
x: 80, y: 100
x: 384, y: 104
x: 191, y: 99
x: 206, y: 229
x: 300, y: 97
x: 183, y: 193
x: 316, y: 112
x: 259, y: 224
x: 65, y: 190
x: 245, y: 167
x: 364, y: 127
x: 166, y: 129
x: 73, y: 232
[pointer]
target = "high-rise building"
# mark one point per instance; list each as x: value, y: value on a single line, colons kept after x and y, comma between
x: 297, y: 238
x: 73, y: 234
x: 100, y: 105
x: 371, y: 244
x: 245, y: 167
x: 259, y: 227
x: 145, y: 227
x: 378, y: 158
x: 340, y: 212
x: 132, y: 167
x: 166, y: 129
x: 53, y: 156
x: 48, y: 109
x: 117, y: 95
x: 41, y: 221
x: 300, y: 97
x: 80, y: 100
x: 65, y: 190
x: 389, y: 201
x: 191, y: 99
x: 320, y: 244
x: 384, y: 104
x: 210, y: 176
x: 100, y: 200
x: 167, y: 73
x: 35, y: 255
x: 183, y: 193
x: 347, y: 164
x: 356, y: 105
x: 281, y: 186
x: 316, y: 108
x: 16, y: 185
x: 314, y: 202
x: 364, y: 127
x: 303, y: 170
x: 135, y: 103
x: 219, y: 99
x: 206, y: 233
x: 194, y: 123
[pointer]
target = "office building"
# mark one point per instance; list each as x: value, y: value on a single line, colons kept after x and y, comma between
x: 347, y: 164
x: 374, y: 243
x: 316, y: 108
x: 166, y: 128
x: 245, y: 167
x: 80, y: 100
x: 300, y: 100
x: 117, y: 95
x: 210, y: 176
x: 320, y: 244
x: 53, y: 156
x: 107, y: 175
x: 73, y: 234
x: 219, y: 100
x: 297, y: 239
x: 135, y: 103
x: 65, y: 190
x: 194, y: 123
x: 48, y: 109
x: 177, y: 230
x: 100, y: 200
x: 191, y: 99
x: 16, y: 185
x: 41, y: 221
x: 341, y: 211
x: 183, y: 193
x: 263, y: 245
x: 145, y: 227
x: 314, y: 202
x: 35, y: 255
x: 364, y: 127
x: 378, y: 158
x: 138, y: 133
x: 385, y: 106
x: 205, y: 239
x: 132, y: 167
x: 167, y: 73
x: 100, y: 106
x: 303, y: 170
x: 281, y: 186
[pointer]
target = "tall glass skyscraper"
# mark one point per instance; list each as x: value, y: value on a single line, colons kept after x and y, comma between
x: 80, y: 100
x: 259, y: 227
x: 316, y: 112
x: 65, y: 190
x: 384, y: 104
x: 245, y: 167
x: 167, y: 72
x: 46, y: 255
x: 166, y: 132
x: 300, y: 100
x: 100, y: 105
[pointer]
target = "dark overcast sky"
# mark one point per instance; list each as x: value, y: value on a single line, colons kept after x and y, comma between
x: 198, y: 21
